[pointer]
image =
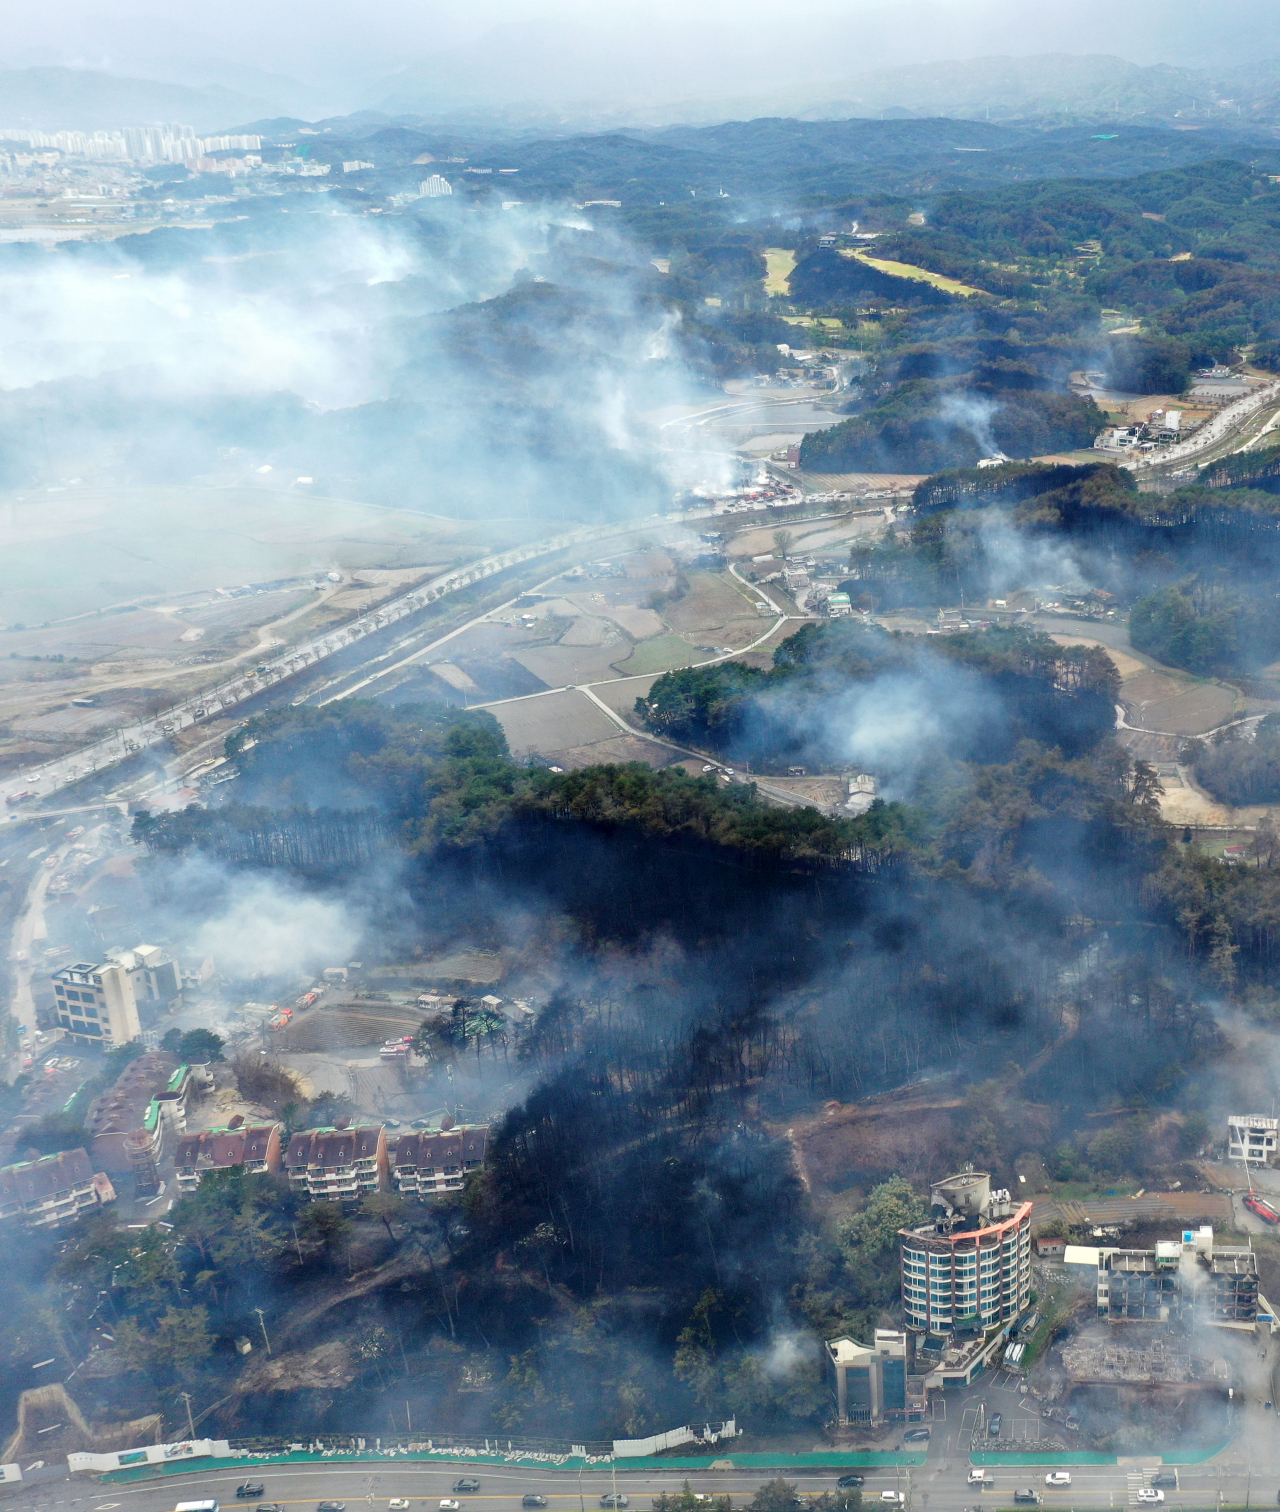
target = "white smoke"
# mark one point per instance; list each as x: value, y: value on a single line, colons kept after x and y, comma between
x: 270, y: 926
x: 974, y: 414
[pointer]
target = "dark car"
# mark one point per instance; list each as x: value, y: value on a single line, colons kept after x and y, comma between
x: 250, y: 1488
x: 615, y: 1499
x: 1167, y: 1479
x: 331, y: 1507
x: 851, y: 1482
x: 916, y: 1436
x: 268, y: 1507
x: 993, y: 1427
x: 532, y: 1499
x: 465, y: 1484
x: 1027, y: 1495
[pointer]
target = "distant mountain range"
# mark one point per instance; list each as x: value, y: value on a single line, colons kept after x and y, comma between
x: 1047, y: 88
x: 73, y: 99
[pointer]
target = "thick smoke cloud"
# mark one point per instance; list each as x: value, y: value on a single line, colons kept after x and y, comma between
x: 454, y: 359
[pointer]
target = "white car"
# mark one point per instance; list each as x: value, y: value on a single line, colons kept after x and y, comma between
x: 981, y: 1478
x: 398, y: 1504
x: 894, y: 1498
x: 1058, y: 1478
x: 447, y: 1504
x: 1149, y: 1497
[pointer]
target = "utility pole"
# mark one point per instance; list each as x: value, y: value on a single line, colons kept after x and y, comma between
x: 191, y: 1427
x: 263, y: 1327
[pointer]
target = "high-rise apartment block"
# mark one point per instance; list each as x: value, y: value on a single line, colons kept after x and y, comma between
x: 968, y: 1269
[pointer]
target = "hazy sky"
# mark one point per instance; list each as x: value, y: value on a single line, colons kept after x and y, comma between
x: 574, y: 50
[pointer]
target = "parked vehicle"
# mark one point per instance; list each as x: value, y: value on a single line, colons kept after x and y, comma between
x: 994, y: 1426
x: 916, y: 1436
x: 1261, y: 1208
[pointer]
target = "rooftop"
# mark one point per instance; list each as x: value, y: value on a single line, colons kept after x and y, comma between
x: 33, y: 1181
x: 219, y: 1149
x: 124, y: 1106
x: 333, y: 1147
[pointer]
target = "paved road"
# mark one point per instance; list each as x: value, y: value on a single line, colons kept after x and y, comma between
x: 940, y: 1485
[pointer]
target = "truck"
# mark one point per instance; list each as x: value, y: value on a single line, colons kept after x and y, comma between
x: 1261, y: 1208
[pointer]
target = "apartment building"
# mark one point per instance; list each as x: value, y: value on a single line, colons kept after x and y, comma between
x: 1192, y: 1280
x: 1252, y: 1138
x: 127, y: 1125
x: 435, y: 1162
x: 340, y: 1164
x: 969, y: 1268
x: 53, y: 1190
x: 256, y: 1147
x: 98, y: 1004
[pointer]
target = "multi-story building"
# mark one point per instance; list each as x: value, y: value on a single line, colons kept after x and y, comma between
x: 256, y: 1147
x: 52, y: 1190
x: 1252, y: 1138
x: 155, y: 975
x: 1194, y: 1280
x: 340, y: 1164
x: 968, y: 1269
x: 96, y: 1005
x: 438, y: 1161
x: 127, y: 1124
x: 870, y: 1383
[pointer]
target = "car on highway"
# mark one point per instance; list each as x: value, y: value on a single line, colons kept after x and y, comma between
x: 615, y: 1499
x: 1148, y: 1496
x: 982, y: 1478
x: 894, y: 1498
x: 467, y: 1483
x: 1166, y: 1478
x: 398, y: 1504
x: 851, y: 1482
x: 1027, y: 1496
x: 1058, y: 1478
x: 916, y: 1436
x: 994, y: 1426
x: 250, y: 1488
x: 331, y: 1506
x: 268, y: 1507
x: 532, y: 1499
x: 447, y: 1504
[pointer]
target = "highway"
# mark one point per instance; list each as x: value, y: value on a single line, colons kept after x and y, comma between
x: 44, y: 779
x: 940, y: 1485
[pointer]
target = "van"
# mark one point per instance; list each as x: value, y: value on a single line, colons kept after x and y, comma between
x: 200, y: 1506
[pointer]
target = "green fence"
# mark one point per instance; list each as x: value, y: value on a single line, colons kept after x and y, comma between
x: 859, y: 1460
